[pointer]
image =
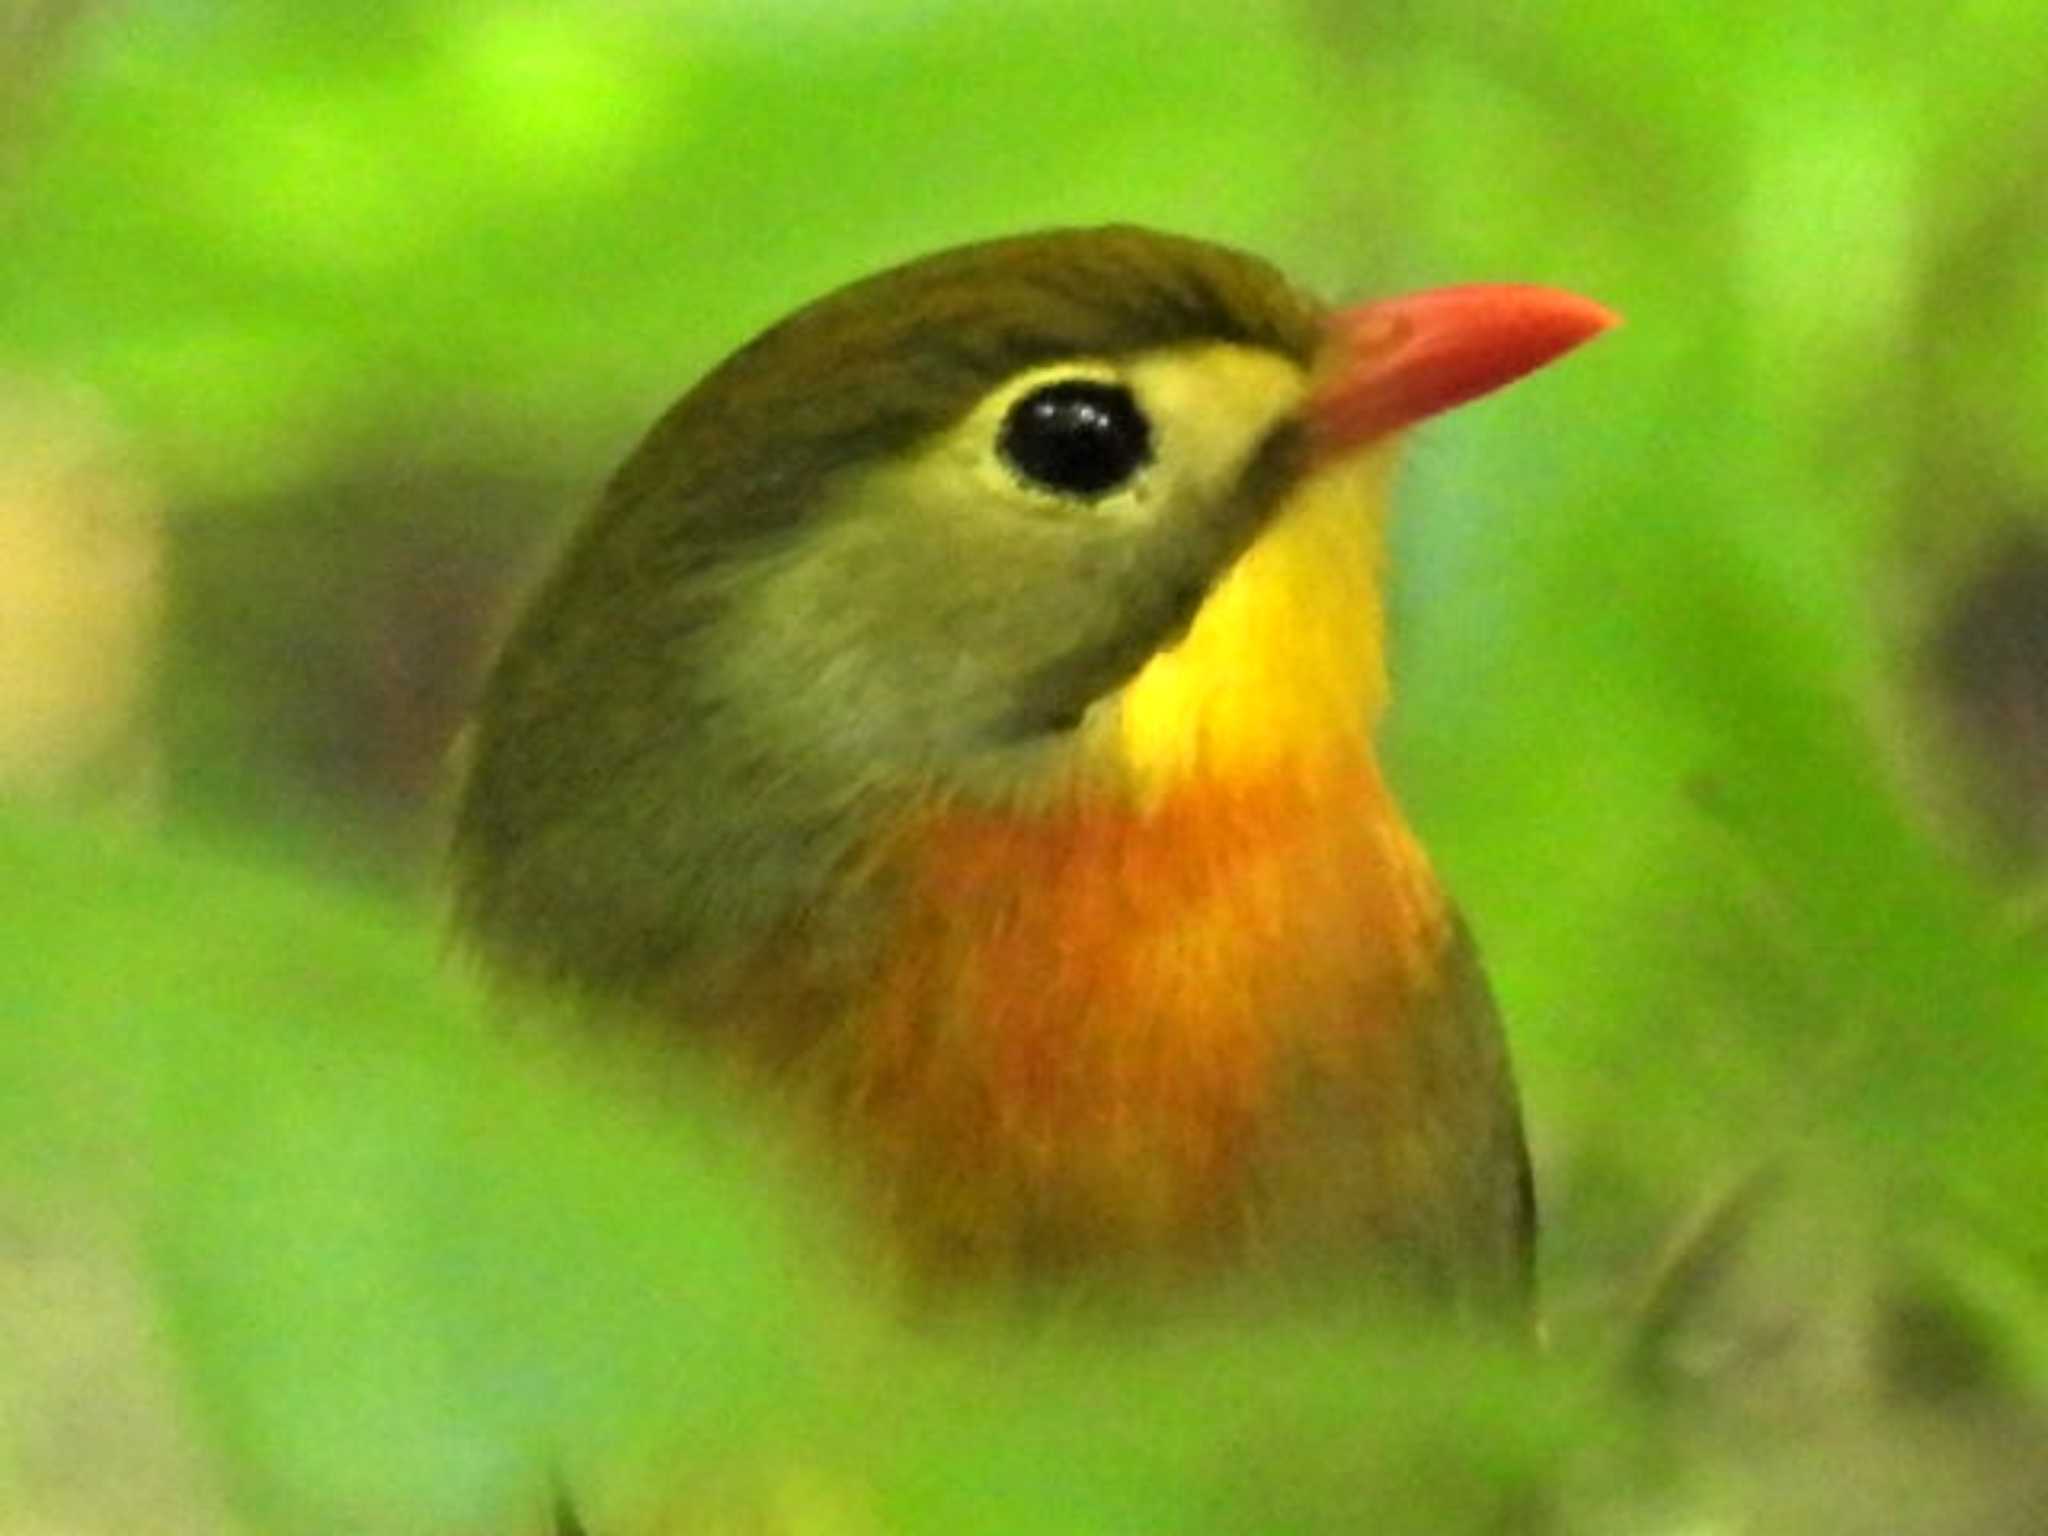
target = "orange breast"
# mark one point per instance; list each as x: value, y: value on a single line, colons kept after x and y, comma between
x: 1085, y: 1015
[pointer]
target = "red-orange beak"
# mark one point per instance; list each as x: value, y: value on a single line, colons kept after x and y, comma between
x: 1389, y: 364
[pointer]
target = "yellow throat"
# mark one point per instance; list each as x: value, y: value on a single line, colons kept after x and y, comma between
x: 1284, y: 669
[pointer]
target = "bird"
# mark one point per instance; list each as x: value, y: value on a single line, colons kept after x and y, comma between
x: 960, y: 712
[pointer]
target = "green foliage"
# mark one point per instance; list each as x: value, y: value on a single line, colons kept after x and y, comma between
x: 422, y: 1260
x: 1657, y: 618
x: 269, y: 238
x: 409, y: 1255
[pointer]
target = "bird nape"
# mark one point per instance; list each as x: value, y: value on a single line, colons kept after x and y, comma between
x: 960, y: 710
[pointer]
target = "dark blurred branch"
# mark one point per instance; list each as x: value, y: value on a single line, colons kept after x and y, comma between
x: 33, y: 34
x: 1979, y: 654
x: 1693, y: 1264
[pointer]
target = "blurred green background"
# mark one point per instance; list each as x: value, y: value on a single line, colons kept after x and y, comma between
x: 1723, y: 702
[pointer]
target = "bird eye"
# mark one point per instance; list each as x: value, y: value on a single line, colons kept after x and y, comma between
x: 1078, y: 437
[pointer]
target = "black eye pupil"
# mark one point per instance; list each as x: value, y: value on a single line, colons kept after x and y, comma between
x: 1080, y: 437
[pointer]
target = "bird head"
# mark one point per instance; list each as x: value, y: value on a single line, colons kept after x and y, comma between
x: 1086, y: 513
